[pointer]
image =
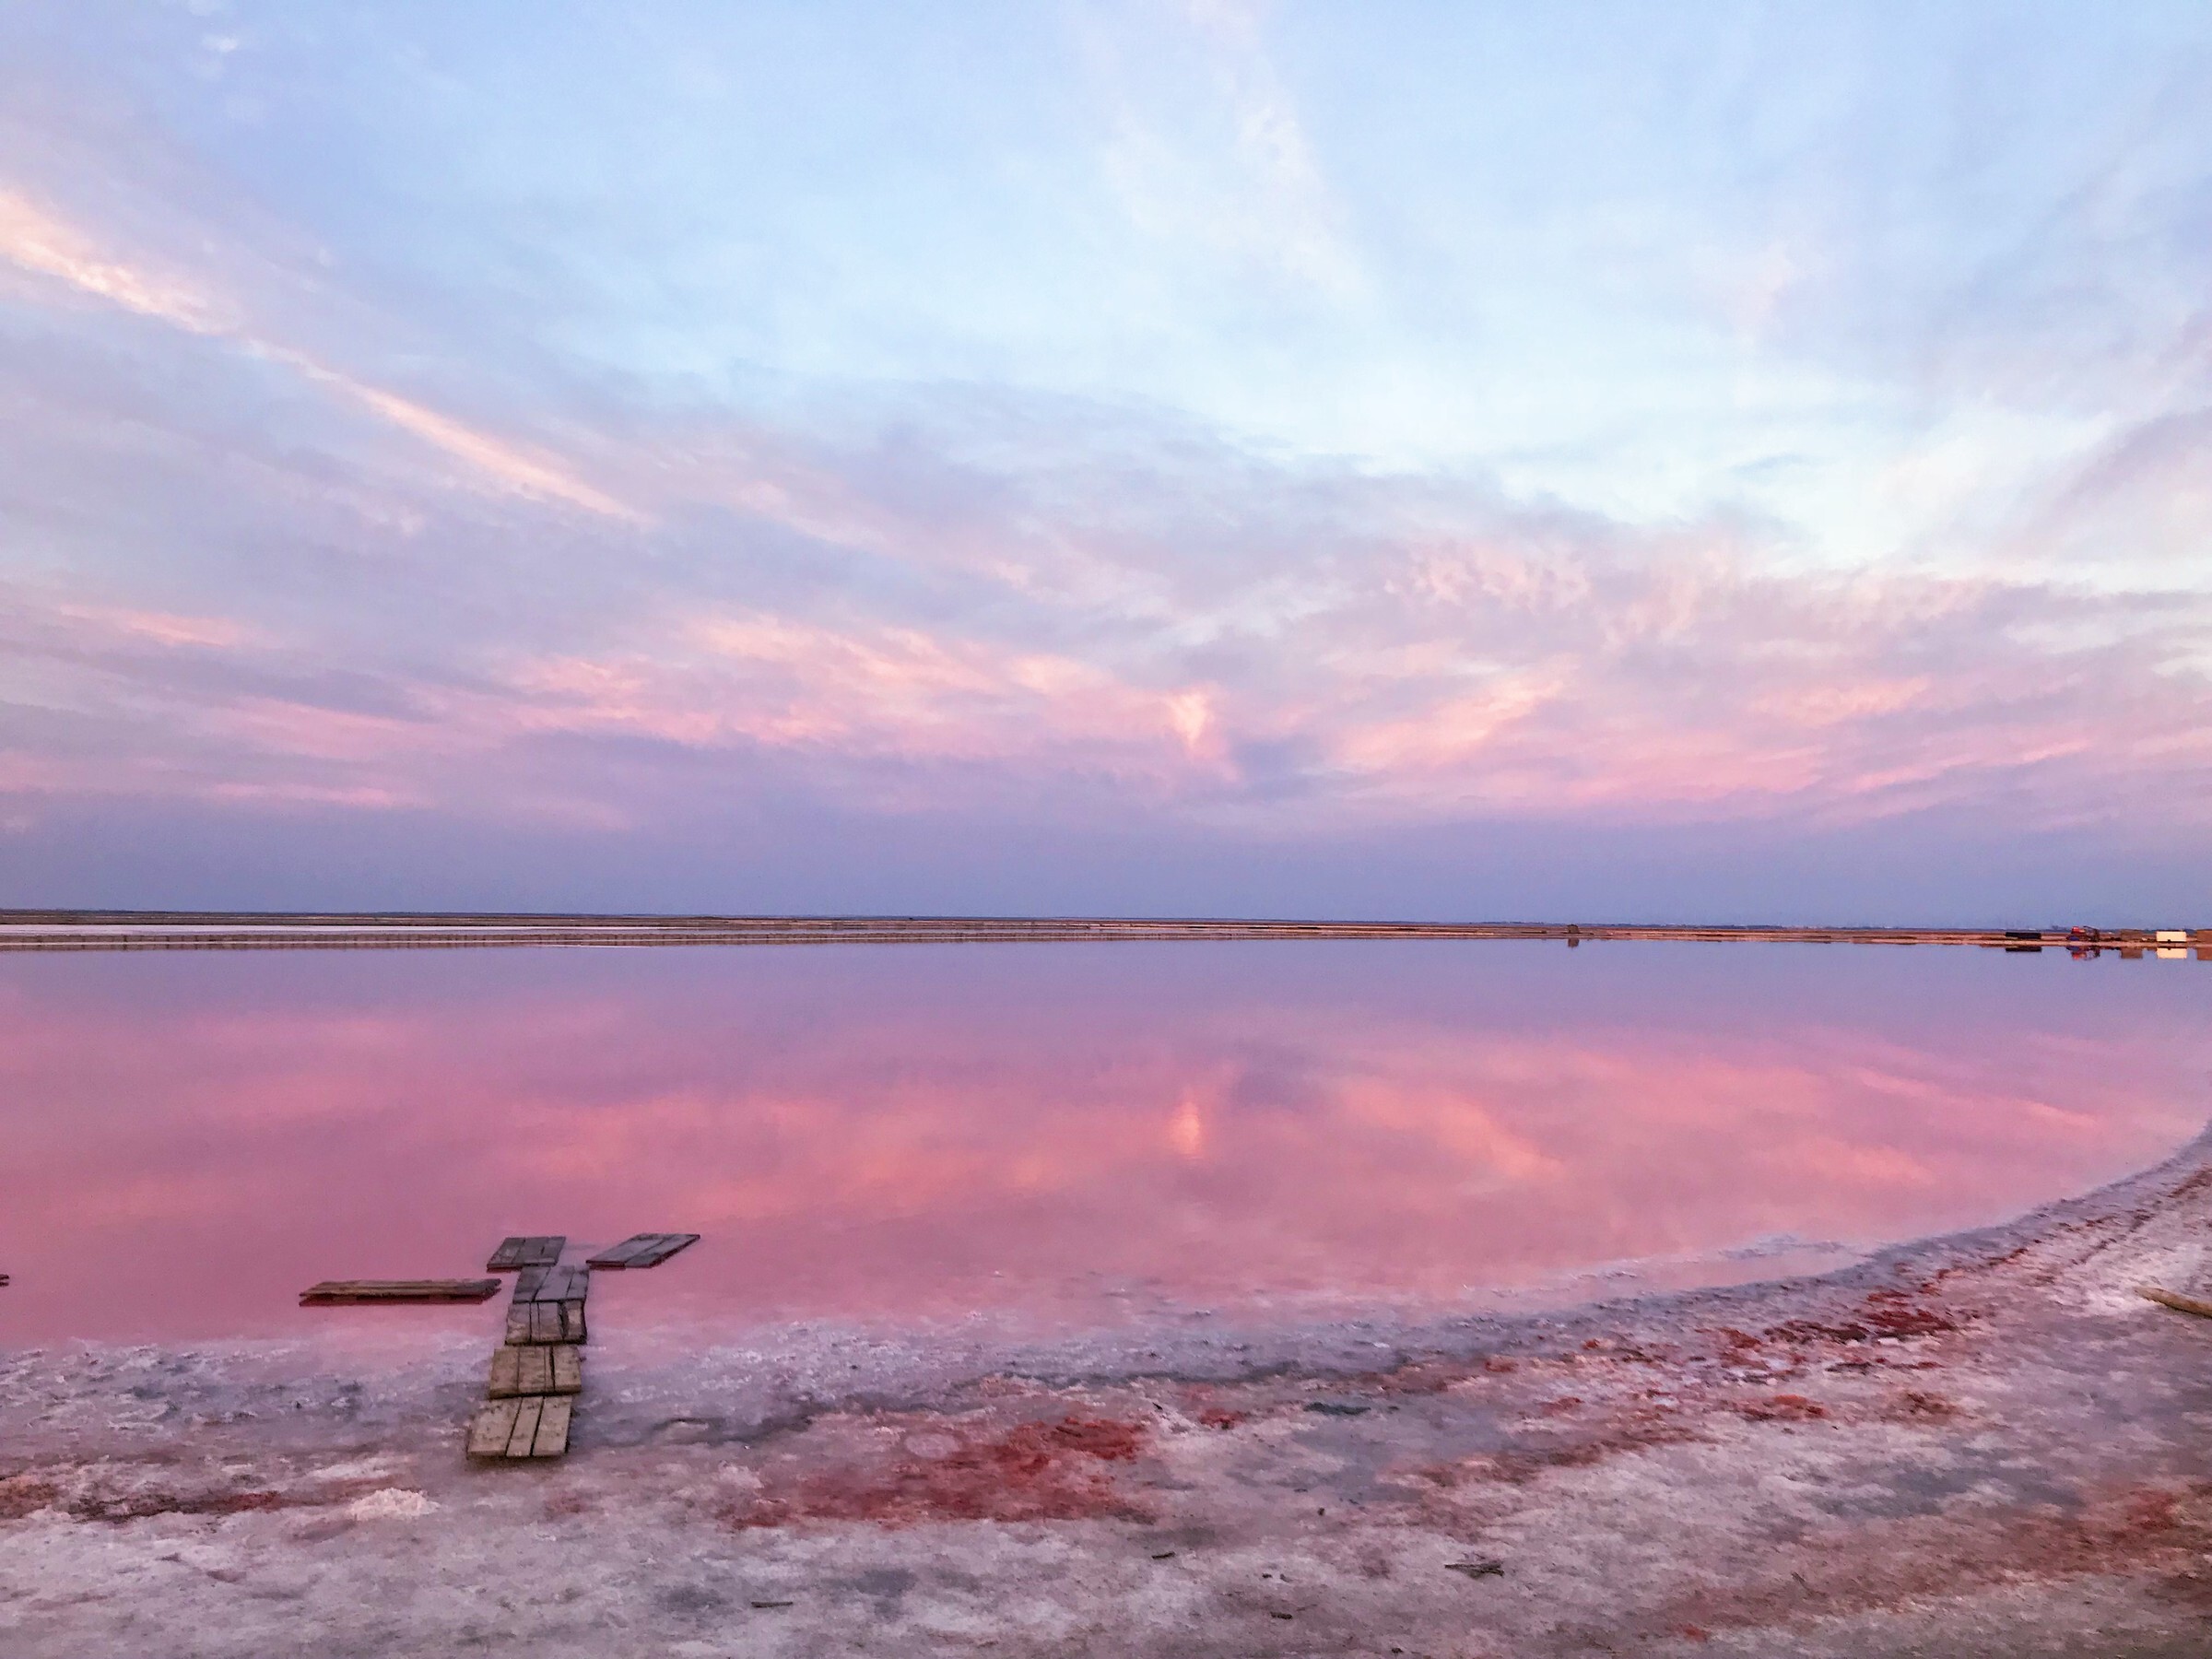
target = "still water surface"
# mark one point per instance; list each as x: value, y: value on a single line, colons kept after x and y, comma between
x: 1055, y: 1133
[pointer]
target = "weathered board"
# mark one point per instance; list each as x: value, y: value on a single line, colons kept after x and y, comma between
x: 553, y: 1285
x: 535, y: 1251
x: 519, y: 1442
x: 571, y: 1323
x: 332, y: 1292
x: 642, y: 1249
x: 493, y: 1427
x: 518, y: 1326
x: 568, y: 1369
x: 552, y: 1437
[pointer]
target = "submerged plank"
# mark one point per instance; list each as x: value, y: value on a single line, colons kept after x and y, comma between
x: 525, y: 1428
x: 642, y: 1249
x: 331, y: 1292
x: 618, y: 1256
x: 536, y: 1250
x: 552, y: 1437
x: 553, y: 1285
x: 492, y: 1428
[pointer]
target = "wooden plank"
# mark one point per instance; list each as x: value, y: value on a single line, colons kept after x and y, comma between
x: 2173, y: 1299
x: 493, y: 1429
x: 554, y: 1284
x: 618, y: 1256
x: 642, y: 1249
x: 571, y: 1323
x: 552, y: 1437
x: 525, y: 1428
x: 545, y: 1322
x: 518, y: 1326
x: 541, y: 1369
x: 669, y: 1245
x: 335, y: 1292
x: 534, y: 1371
x: 537, y: 1250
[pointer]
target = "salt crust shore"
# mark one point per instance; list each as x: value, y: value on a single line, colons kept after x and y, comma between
x: 1984, y: 1444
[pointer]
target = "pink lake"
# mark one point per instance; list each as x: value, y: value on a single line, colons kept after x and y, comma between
x: 1050, y: 1133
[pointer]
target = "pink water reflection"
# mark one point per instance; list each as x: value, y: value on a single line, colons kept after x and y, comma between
x: 903, y: 1132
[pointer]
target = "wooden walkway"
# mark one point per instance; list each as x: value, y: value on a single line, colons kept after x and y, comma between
x: 179, y: 930
x: 537, y: 1370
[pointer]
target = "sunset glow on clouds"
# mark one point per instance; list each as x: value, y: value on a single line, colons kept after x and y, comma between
x: 807, y: 437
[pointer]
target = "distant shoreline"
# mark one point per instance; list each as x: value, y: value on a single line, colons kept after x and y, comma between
x: 259, y: 930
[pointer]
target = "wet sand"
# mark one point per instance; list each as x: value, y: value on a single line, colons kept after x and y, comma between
x: 1981, y: 1445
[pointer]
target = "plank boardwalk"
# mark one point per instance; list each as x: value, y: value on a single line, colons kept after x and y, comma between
x: 535, y: 1251
x: 537, y: 1372
x: 335, y: 1292
x: 642, y: 1249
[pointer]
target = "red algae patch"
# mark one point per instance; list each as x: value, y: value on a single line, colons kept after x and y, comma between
x: 2159, y: 1535
x: 1027, y: 1471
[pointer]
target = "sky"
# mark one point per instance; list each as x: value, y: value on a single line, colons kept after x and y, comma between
x: 1451, y: 461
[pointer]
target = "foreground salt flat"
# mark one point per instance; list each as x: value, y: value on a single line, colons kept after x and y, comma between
x: 1986, y: 1445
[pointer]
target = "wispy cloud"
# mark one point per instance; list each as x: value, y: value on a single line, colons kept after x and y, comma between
x: 36, y: 241
x: 1807, y: 480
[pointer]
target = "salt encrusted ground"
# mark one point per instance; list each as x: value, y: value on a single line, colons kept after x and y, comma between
x: 1984, y: 1445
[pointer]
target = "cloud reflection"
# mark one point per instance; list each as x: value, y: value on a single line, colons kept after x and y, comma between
x: 920, y: 1132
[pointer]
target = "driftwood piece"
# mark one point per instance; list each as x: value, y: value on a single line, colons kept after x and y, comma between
x: 493, y: 1427
x: 2174, y: 1299
x: 333, y: 1292
x: 538, y: 1250
x: 642, y: 1249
